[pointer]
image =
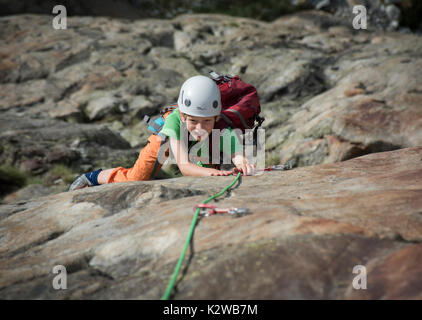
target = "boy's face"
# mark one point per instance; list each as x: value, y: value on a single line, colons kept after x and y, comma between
x: 199, y: 127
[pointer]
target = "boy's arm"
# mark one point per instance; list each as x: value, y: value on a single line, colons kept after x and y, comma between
x: 187, y: 168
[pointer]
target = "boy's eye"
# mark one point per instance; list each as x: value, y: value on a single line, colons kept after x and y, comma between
x: 208, y: 121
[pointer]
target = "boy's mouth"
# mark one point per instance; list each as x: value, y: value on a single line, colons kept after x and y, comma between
x: 199, y: 134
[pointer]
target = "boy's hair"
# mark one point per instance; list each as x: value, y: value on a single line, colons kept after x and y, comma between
x: 184, y: 115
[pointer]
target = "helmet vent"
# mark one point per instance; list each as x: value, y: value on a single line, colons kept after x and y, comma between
x: 187, y: 102
x: 215, y: 104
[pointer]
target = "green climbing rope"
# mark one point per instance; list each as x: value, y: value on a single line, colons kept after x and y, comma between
x: 192, y: 227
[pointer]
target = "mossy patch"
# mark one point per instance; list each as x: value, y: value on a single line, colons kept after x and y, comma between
x: 320, y: 130
x: 272, y: 159
x: 60, y: 171
x: 266, y: 10
x: 313, y: 157
x: 233, y: 24
x: 11, y: 179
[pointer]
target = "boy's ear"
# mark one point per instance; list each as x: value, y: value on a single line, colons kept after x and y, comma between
x: 182, y: 117
x: 217, y: 118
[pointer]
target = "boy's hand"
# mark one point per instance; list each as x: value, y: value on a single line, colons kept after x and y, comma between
x: 247, y: 169
x: 242, y: 164
x: 222, y: 173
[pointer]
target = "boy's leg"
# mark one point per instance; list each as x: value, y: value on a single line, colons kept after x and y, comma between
x: 149, y: 162
x: 104, y: 175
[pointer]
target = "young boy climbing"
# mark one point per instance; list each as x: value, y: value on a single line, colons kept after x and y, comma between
x: 199, y: 108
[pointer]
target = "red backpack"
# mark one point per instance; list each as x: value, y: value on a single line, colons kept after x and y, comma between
x: 239, y: 101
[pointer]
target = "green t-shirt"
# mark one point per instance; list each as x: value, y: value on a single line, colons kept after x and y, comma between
x: 172, y: 126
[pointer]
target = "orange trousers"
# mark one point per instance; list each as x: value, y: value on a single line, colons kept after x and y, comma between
x: 149, y: 162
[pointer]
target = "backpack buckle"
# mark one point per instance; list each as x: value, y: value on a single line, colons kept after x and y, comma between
x: 221, y: 77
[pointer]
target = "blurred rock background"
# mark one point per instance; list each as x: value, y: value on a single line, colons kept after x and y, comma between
x: 73, y: 100
x: 385, y: 14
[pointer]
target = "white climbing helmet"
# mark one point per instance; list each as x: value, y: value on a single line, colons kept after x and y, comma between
x: 200, y: 97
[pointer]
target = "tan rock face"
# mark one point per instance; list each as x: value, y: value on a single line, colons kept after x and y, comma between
x: 308, y: 228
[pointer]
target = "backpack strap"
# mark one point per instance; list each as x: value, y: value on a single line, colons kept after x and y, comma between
x: 240, y: 117
x: 227, y: 120
x: 155, y: 125
x: 167, y: 109
x: 214, y: 75
x: 260, y: 120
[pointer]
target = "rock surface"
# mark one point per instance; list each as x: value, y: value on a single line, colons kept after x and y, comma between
x: 77, y: 97
x: 307, y: 230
